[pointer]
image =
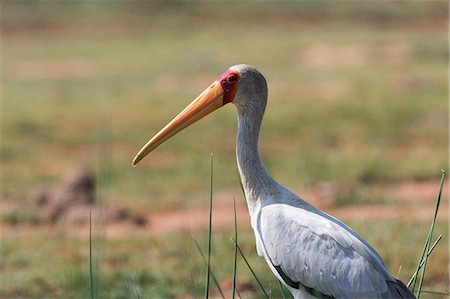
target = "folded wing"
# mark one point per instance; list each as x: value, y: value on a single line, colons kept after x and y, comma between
x: 320, y: 254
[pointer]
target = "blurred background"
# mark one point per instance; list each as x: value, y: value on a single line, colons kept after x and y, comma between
x: 357, y: 123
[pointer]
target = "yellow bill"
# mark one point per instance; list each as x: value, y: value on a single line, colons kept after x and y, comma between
x: 219, y: 93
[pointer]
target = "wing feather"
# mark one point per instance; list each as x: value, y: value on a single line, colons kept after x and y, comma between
x: 319, y: 253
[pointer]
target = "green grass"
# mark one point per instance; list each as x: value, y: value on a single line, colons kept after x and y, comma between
x: 88, y: 84
x: 170, y: 266
x: 335, y: 123
x: 208, y: 263
x: 235, y: 241
x: 423, y: 261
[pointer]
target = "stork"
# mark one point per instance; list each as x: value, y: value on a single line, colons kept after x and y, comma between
x: 312, y: 253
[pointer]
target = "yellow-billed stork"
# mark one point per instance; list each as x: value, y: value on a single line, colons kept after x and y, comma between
x: 312, y: 253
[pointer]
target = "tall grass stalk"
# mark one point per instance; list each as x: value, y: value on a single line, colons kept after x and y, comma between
x: 233, y: 288
x: 216, y: 282
x: 424, y: 256
x: 251, y: 269
x: 103, y: 183
x: 423, y: 261
x: 242, y: 254
x: 91, y: 271
x: 136, y: 291
x: 208, y: 264
x: 281, y: 289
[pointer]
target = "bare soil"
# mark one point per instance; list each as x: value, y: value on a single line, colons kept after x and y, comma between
x: 416, y: 201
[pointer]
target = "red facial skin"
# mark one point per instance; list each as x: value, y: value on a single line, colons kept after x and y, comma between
x: 229, y: 81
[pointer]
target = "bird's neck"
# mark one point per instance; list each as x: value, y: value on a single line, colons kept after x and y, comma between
x: 256, y: 182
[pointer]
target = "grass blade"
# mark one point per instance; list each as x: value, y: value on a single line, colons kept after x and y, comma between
x: 251, y: 270
x: 423, y: 261
x: 281, y: 289
x: 422, y: 277
x: 233, y: 288
x: 216, y: 282
x: 91, y: 272
x: 208, y: 264
x: 136, y: 292
x: 242, y: 254
x: 399, y: 270
x: 424, y: 256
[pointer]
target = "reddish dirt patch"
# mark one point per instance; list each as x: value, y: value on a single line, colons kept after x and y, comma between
x: 423, y: 191
x: 416, y: 200
x: 188, y: 220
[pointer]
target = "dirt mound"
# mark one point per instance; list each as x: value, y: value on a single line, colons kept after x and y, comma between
x: 71, y: 201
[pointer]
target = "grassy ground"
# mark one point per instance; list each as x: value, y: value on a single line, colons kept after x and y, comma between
x: 169, y: 266
x: 358, y: 96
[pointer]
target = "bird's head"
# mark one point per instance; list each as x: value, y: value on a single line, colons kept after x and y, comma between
x: 240, y: 84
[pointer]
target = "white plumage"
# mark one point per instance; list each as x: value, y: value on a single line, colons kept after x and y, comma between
x: 319, y: 253
x: 313, y: 254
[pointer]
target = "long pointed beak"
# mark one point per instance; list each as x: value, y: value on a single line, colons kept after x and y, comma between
x: 208, y: 101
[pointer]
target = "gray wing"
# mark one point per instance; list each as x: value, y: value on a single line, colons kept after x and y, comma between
x: 320, y: 254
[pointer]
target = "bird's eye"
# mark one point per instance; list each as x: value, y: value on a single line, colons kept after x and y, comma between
x: 232, y: 78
